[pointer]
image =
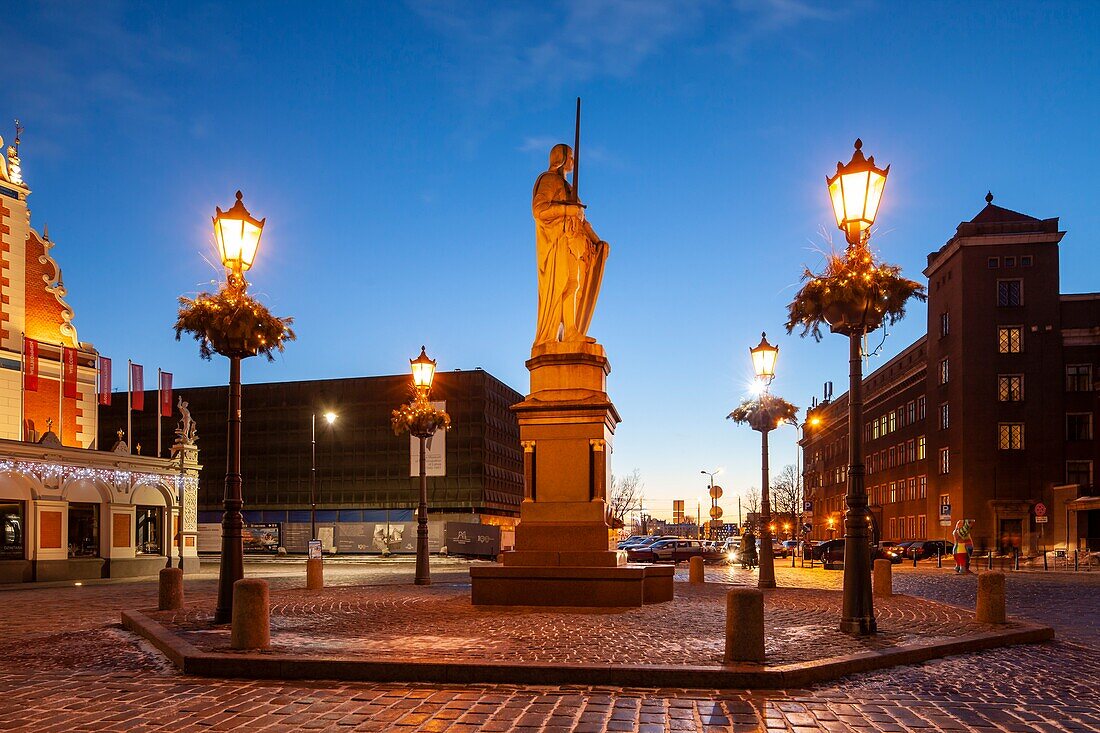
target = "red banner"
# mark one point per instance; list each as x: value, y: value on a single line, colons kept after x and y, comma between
x: 166, y: 394
x: 137, y: 387
x: 30, y: 364
x: 68, y: 369
x: 104, y: 381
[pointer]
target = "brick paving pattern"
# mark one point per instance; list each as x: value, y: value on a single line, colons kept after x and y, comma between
x: 65, y: 665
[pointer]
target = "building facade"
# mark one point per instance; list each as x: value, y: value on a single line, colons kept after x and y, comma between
x: 67, y: 510
x: 365, y: 475
x: 988, y: 415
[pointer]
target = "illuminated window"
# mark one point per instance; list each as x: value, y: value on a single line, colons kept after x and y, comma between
x: 1079, y: 377
x: 922, y: 446
x: 1010, y: 436
x: 1010, y: 293
x: 945, y: 460
x: 1010, y: 387
x: 893, y: 421
x: 893, y: 491
x: 1079, y: 426
x: 1010, y: 339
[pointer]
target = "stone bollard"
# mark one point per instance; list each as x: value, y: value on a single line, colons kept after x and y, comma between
x: 251, y: 615
x: 695, y: 571
x: 991, y: 598
x: 744, y: 625
x: 882, y: 582
x: 315, y: 573
x: 170, y: 592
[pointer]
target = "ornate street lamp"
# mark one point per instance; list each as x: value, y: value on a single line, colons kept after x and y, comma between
x: 235, y: 325
x: 421, y: 420
x: 764, y: 356
x: 330, y: 418
x: 856, y: 192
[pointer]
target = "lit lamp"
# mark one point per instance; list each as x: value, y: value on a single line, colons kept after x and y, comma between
x: 763, y: 360
x: 856, y: 192
x: 237, y: 233
x: 423, y: 372
x: 330, y: 418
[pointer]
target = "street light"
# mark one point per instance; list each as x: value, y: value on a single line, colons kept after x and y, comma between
x: 714, y: 495
x: 330, y: 418
x: 237, y: 233
x: 423, y: 372
x: 764, y: 356
x: 856, y: 192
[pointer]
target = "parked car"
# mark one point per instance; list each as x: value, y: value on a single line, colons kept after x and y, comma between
x: 632, y: 539
x: 832, y: 551
x: 645, y: 552
x: 924, y: 549
x: 647, y: 541
x: 791, y: 547
x: 778, y: 548
x: 678, y: 550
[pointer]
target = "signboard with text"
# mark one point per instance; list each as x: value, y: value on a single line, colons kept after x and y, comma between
x: 435, y: 451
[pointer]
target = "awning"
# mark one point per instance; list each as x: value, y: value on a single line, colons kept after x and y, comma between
x: 1083, y: 504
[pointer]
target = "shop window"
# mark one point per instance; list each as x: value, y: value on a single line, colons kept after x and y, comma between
x: 1010, y: 339
x: 83, y: 530
x: 12, y: 524
x: 150, y: 529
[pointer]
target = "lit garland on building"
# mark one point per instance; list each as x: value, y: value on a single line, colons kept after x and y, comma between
x: 111, y: 476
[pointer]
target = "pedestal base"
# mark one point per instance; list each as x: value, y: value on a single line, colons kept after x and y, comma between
x: 586, y: 587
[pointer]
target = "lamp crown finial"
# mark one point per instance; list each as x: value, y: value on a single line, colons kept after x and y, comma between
x: 859, y: 143
x: 989, y: 197
x: 239, y: 195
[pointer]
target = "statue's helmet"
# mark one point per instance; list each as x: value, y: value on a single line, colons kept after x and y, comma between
x: 559, y: 156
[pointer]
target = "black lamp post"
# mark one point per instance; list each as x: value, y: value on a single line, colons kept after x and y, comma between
x: 423, y: 372
x: 856, y: 192
x: 764, y: 356
x: 330, y: 418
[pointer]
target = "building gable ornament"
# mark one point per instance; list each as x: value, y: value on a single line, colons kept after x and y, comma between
x: 56, y: 286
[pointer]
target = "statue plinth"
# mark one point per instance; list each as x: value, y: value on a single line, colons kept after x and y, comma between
x: 565, y: 547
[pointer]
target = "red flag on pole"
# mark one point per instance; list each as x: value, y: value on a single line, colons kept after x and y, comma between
x: 30, y: 364
x: 104, y: 381
x: 68, y: 357
x: 166, y: 394
x: 137, y: 388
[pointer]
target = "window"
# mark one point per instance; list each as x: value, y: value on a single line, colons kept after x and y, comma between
x: 1010, y: 387
x: 1079, y: 377
x: 922, y: 447
x: 911, y: 451
x: 150, y: 521
x: 12, y: 530
x: 911, y: 412
x: 912, y: 522
x: 945, y: 499
x: 922, y: 412
x: 945, y: 460
x: 945, y: 417
x: 1010, y: 436
x: 893, y: 457
x: 893, y: 421
x: 874, y: 429
x: 993, y: 263
x: 893, y: 529
x: 912, y: 489
x: 83, y: 530
x: 1010, y: 292
x: 1026, y: 261
x: 945, y: 325
x: 1010, y: 339
x: 922, y: 525
x: 1079, y: 426
x: 1079, y: 472
x: 945, y: 371
x: 893, y: 491
x: 1010, y: 261
x: 922, y: 487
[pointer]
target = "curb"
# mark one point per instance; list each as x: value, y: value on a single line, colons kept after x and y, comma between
x: 191, y: 660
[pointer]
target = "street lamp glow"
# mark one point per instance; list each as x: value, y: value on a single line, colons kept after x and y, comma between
x: 423, y: 371
x: 764, y: 356
x: 856, y: 192
x: 237, y: 233
x: 330, y: 417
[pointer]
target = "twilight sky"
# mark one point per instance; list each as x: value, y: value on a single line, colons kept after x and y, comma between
x: 392, y: 147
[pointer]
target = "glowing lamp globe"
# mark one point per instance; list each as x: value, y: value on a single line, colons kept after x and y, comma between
x: 330, y: 417
x: 763, y: 359
x: 423, y: 371
x: 856, y: 192
x: 237, y: 233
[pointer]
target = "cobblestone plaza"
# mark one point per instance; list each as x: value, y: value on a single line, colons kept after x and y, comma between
x: 69, y: 666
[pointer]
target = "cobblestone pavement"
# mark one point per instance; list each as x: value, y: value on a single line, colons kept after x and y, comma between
x: 440, y: 623
x: 65, y: 665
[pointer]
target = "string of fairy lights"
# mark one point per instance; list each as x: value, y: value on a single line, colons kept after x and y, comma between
x: 111, y: 476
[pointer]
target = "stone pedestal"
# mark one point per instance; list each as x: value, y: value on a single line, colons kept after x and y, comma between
x: 564, y: 540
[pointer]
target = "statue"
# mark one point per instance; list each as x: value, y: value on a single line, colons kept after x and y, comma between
x: 187, y: 432
x: 570, y: 256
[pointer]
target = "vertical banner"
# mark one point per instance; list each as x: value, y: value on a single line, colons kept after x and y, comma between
x: 68, y: 368
x: 104, y: 381
x: 137, y: 388
x: 166, y: 394
x: 30, y: 367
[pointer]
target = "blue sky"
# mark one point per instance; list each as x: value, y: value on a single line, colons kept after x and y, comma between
x: 392, y: 148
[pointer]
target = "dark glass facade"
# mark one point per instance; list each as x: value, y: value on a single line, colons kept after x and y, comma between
x: 361, y: 464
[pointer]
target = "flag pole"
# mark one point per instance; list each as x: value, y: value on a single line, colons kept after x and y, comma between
x: 577, y: 155
x: 160, y: 381
x: 129, y: 403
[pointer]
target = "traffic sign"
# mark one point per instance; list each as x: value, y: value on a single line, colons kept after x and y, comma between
x: 808, y: 507
x: 1040, y: 509
x: 716, y: 492
x: 1042, y: 519
x: 716, y: 511
x: 945, y: 513
x: 945, y: 522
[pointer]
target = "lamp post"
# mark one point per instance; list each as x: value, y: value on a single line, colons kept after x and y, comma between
x: 855, y: 191
x: 764, y: 356
x: 237, y: 234
x: 330, y: 418
x: 423, y: 372
x: 713, y: 498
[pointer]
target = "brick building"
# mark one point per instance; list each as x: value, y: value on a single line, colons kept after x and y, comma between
x: 68, y: 510
x: 989, y: 413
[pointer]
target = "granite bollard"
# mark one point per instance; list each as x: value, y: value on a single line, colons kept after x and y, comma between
x: 251, y: 614
x: 695, y: 571
x: 315, y: 573
x: 882, y: 580
x: 170, y: 591
x: 744, y: 625
x: 991, y: 598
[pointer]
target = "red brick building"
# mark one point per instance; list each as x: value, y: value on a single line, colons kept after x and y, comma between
x: 990, y: 413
